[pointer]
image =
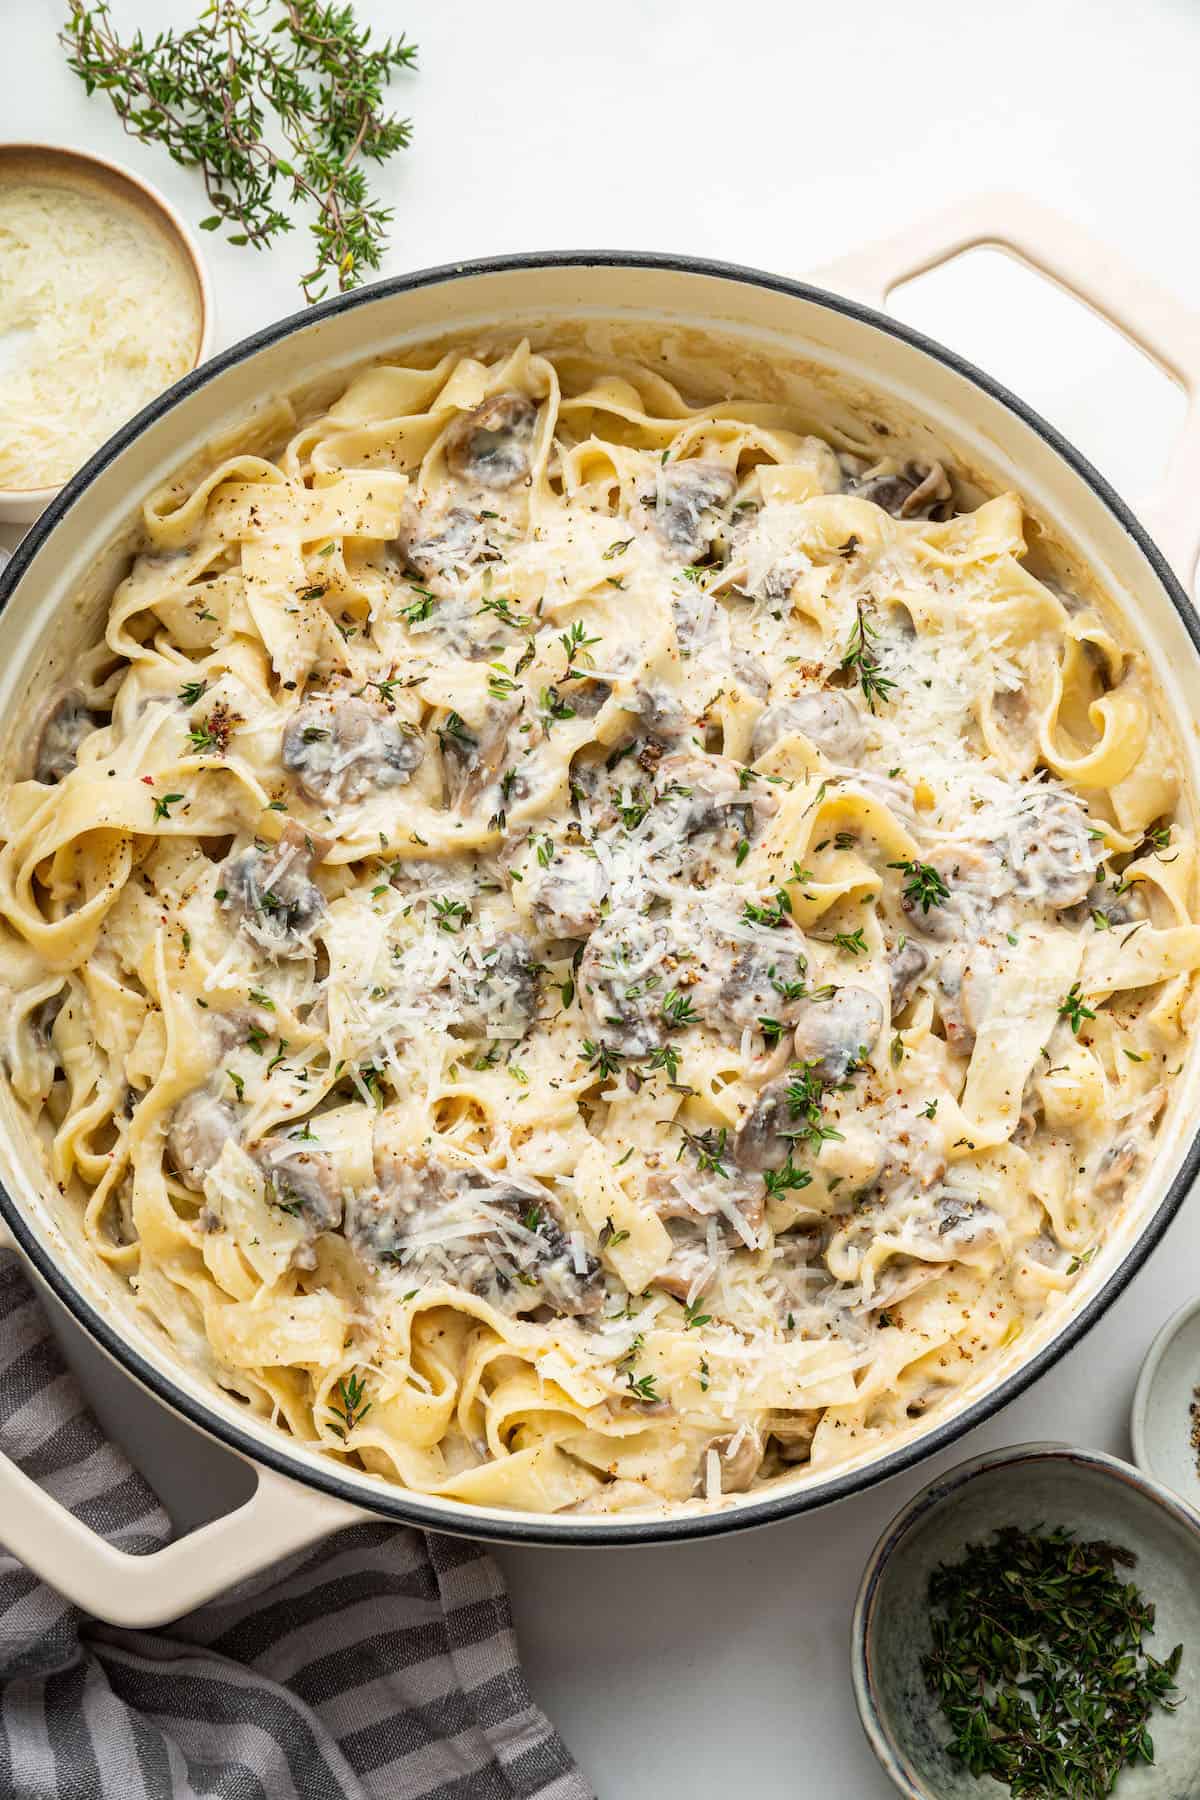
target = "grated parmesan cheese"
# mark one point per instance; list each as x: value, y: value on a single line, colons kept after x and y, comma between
x: 97, y: 315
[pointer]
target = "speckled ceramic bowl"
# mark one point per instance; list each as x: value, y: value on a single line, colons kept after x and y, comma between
x: 1033, y: 1484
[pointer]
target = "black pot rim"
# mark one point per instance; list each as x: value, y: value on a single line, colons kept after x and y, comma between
x: 397, y: 1503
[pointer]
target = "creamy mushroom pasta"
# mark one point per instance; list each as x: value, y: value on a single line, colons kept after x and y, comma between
x: 584, y: 951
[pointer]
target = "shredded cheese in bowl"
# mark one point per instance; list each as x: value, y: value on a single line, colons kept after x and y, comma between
x: 98, y: 313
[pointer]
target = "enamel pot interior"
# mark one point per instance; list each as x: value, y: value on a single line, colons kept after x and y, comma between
x: 768, y: 336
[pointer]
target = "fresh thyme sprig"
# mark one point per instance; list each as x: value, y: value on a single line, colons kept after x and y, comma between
x: 553, y: 707
x: 599, y: 1057
x: 218, y: 94
x: 353, y: 1410
x: 707, y: 1146
x: 577, y: 646
x: 421, y: 608
x: 666, y: 1057
x: 678, y: 1011
x: 770, y: 915
x: 924, y: 886
x: 805, y: 1098
x: 782, y: 1181
x: 1073, y: 1009
x: 163, y: 804
x: 860, y: 660
x: 450, y: 915
x: 503, y: 610
x: 1038, y: 1663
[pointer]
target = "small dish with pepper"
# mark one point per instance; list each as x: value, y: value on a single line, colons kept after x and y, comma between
x: 1030, y: 1623
x: 1165, y: 1423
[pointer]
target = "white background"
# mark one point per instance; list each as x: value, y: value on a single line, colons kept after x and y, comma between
x: 779, y: 135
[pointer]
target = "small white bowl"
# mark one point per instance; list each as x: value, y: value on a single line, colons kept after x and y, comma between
x: 1161, y: 1423
x: 80, y: 170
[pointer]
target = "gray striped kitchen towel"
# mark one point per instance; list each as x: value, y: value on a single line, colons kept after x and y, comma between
x: 380, y: 1665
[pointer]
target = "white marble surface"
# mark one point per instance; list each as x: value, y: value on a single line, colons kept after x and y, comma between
x: 777, y: 134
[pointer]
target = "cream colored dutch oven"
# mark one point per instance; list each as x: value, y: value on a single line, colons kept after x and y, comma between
x: 54, y: 593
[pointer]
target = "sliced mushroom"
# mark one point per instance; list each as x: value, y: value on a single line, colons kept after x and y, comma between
x: 833, y: 1036
x: 497, y: 988
x: 1112, y: 908
x: 901, y: 1277
x: 906, y: 965
x: 277, y: 906
x: 827, y: 717
x: 302, y: 1181
x: 587, y: 696
x: 435, y: 550
x: 68, y: 723
x: 794, y: 1257
x: 696, y: 616
x: 689, y: 504
x: 707, y: 808
x: 497, y: 1236
x: 763, y: 1140
x: 43, y: 1015
x: 410, y: 1191
x: 957, y: 1224
x: 974, y: 876
x: 786, y: 1110
x: 1052, y: 856
x: 690, y: 1269
x: 566, y: 899
x: 1115, y: 1167
x: 458, y: 626
x: 792, y: 1435
x: 340, y: 747
x: 699, y: 791
x: 739, y: 1455
x: 472, y: 756
x: 620, y: 983
x: 700, y: 965
x: 682, y: 1193
x: 490, y: 446
x: 751, y: 672
x: 199, y: 1129
x: 762, y: 982
x: 658, y: 709
x: 918, y: 491
x: 1120, y: 1161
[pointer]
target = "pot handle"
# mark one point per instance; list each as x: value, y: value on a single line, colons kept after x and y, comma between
x: 280, y: 1516
x: 1166, y: 330
x: 108, y: 1583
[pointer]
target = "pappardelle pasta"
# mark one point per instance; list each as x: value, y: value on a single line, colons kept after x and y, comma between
x: 585, y: 951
